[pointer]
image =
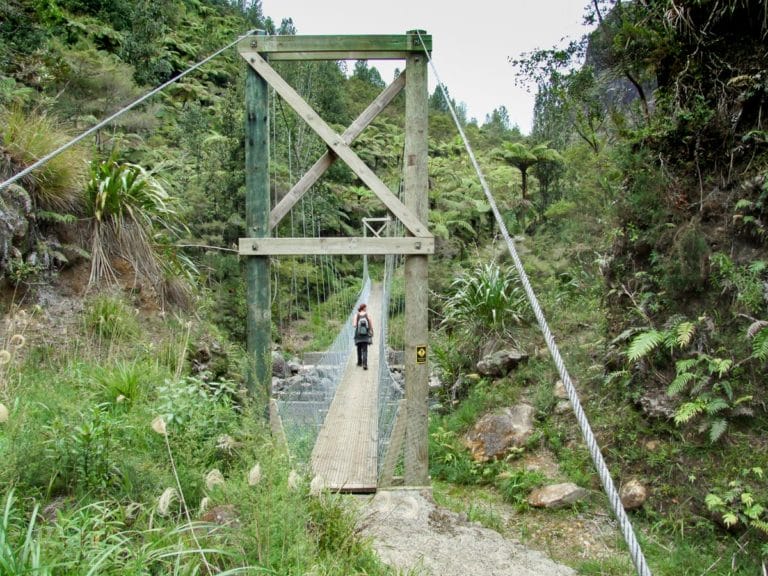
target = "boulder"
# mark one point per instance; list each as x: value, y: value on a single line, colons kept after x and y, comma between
x: 15, y: 210
x: 499, y: 364
x: 562, y: 407
x: 560, y: 392
x: 210, y: 360
x: 556, y: 495
x: 633, y: 494
x: 656, y: 403
x: 294, y: 366
x: 494, y: 434
x: 279, y: 365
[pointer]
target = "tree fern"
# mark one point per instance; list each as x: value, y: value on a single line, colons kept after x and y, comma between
x: 644, y: 343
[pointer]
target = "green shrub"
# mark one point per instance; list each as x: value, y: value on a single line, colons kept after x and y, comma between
x: 110, y: 318
x: 560, y: 210
x: 124, y: 382
x: 85, y: 450
x: 744, y: 284
x: 711, y: 383
x: 686, y: 266
x: 738, y: 504
x: 450, y: 461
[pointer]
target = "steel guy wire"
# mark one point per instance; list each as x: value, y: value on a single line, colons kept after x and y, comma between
x: 100, y: 125
x: 605, y: 476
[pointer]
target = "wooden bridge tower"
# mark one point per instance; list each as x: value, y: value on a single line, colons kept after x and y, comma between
x: 261, y: 218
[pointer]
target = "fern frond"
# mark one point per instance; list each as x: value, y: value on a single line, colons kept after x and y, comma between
x: 743, y: 203
x: 730, y: 519
x: 684, y: 333
x: 685, y: 365
x: 688, y: 411
x: 720, y: 366
x: 748, y: 500
x: 643, y: 344
x: 713, y: 502
x: 760, y: 344
x: 757, y: 267
x: 761, y: 525
x: 680, y: 383
x: 717, y: 429
x: 716, y: 405
x: 56, y: 217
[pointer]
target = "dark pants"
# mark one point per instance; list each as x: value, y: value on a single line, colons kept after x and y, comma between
x: 362, y: 354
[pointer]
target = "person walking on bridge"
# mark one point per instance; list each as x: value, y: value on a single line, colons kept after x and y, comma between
x: 363, y: 334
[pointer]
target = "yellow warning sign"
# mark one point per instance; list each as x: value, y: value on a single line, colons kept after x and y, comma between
x: 421, y: 354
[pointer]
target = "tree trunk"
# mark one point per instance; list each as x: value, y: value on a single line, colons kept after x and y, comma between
x: 524, y: 183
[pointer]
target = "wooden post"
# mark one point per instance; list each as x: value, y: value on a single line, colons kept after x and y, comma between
x: 416, y: 277
x: 257, y: 207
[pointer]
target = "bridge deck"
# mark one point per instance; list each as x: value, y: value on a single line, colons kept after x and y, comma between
x: 345, y: 455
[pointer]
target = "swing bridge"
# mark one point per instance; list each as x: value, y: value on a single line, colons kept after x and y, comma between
x: 355, y: 427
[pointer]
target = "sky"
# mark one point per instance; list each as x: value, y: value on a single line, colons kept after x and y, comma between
x: 471, y: 40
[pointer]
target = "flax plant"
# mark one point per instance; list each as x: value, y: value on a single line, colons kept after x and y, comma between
x: 126, y: 206
x: 485, y: 300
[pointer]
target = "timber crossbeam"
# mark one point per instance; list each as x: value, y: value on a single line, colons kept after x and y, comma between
x: 355, y: 47
x: 335, y: 246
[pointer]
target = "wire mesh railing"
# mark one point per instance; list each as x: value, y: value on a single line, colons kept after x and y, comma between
x: 303, y: 400
x: 390, y: 387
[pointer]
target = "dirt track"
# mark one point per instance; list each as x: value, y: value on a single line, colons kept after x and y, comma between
x: 410, y: 532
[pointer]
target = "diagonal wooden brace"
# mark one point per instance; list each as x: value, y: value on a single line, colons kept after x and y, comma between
x: 326, y: 160
x: 337, y: 144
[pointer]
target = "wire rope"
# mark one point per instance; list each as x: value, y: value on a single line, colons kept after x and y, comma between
x: 605, y: 476
x: 32, y: 167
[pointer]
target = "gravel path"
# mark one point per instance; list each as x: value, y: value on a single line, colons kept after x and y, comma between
x: 410, y: 532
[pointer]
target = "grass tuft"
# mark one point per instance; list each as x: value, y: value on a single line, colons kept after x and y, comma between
x: 57, y: 186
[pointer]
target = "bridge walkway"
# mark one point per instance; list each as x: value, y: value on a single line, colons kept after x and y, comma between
x: 345, y: 454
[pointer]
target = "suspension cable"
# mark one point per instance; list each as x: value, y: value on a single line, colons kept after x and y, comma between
x: 120, y: 112
x: 597, y: 458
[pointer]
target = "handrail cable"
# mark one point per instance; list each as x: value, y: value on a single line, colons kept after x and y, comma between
x: 120, y: 112
x: 605, y: 476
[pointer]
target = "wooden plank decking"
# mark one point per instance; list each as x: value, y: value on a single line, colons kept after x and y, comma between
x: 345, y: 455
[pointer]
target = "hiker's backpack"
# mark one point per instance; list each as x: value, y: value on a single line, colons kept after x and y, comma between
x: 362, y: 326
